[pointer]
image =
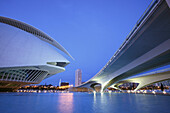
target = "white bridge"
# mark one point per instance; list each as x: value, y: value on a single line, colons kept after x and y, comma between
x: 146, y: 47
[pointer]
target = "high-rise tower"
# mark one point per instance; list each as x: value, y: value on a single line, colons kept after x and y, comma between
x: 78, y: 77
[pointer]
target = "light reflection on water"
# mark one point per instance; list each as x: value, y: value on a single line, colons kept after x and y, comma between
x: 83, y: 103
x: 65, y: 102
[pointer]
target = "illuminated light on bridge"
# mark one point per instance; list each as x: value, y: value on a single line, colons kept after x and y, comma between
x: 145, y: 91
x: 164, y: 92
x: 110, y: 91
x: 128, y: 91
x: 153, y: 92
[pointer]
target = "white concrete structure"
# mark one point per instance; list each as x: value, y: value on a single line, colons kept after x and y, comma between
x: 27, y: 54
x: 78, y: 77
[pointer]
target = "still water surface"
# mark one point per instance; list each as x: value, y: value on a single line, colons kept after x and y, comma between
x: 83, y: 103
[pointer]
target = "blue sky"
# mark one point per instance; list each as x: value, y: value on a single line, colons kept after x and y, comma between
x: 91, y: 30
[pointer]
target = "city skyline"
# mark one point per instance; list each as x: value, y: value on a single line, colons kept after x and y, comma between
x: 91, y: 35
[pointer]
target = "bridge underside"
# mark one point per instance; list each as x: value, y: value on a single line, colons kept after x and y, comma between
x: 146, y: 79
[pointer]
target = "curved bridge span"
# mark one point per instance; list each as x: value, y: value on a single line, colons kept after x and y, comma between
x: 145, y: 48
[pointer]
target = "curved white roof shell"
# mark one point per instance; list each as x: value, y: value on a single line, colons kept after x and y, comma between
x: 34, y: 31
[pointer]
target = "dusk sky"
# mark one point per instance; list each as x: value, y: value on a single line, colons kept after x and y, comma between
x: 90, y: 30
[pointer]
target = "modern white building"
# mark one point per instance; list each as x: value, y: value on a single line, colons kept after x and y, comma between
x: 78, y: 77
x: 27, y: 55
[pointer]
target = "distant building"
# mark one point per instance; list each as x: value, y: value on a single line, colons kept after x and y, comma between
x: 165, y: 83
x: 78, y: 77
x: 64, y: 84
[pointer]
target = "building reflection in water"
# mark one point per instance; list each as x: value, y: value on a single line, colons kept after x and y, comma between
x: 66, y: 102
